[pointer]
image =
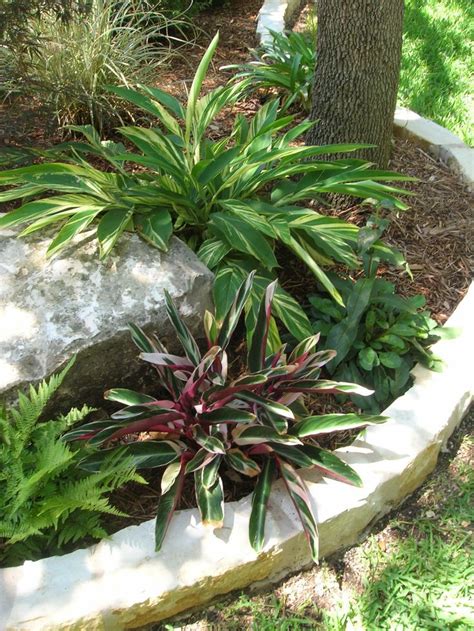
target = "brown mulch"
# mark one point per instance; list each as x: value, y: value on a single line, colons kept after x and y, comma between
x: 435, y: 234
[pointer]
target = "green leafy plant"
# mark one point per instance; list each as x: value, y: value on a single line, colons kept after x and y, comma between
x: 255, y: 423
x: 285, y: 63
x: 233, y: 200
x: 46, y: 501
x: 75, y: 60
x: 378, y: 336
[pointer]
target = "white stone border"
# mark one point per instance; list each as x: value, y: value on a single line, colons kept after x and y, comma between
x: 441, y: 143
x: 122, y: 583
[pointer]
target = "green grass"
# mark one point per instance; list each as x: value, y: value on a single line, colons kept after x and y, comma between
x: 437, y: 75
x: 427, y: 579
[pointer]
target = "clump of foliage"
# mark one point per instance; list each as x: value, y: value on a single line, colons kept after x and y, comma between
x: 255, y: 424
x: 75, y: 60
x: 286, y: 63
x: 46, y: 501
x: 378, y: 335
x: 233, y: 200
x: 15, y: 15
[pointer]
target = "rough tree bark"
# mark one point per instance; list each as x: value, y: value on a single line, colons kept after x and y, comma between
x: 357, y: 72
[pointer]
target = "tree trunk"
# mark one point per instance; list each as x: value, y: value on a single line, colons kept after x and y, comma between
x: 357, y: 72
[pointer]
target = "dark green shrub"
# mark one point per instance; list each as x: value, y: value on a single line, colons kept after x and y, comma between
x: 379, y: 336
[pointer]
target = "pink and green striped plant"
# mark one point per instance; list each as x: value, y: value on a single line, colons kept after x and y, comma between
x: 256, y: 424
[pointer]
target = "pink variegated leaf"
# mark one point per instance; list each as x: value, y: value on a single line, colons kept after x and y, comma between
x: 174, y: 362
x: 256, y: 434
x: 304, y: 348
x: 301, y: 499
x: 258, y: 345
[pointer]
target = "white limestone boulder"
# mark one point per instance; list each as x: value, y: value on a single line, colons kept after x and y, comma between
x: 76, y: 304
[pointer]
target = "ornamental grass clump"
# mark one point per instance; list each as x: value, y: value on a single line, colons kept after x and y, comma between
x: 255, y: 423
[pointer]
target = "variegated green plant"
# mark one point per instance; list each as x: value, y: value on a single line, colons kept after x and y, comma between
x: 285, y: 63
x: 233, y: 199
x: 255, y: 423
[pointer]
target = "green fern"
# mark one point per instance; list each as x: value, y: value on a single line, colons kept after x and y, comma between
x: 46, y: 501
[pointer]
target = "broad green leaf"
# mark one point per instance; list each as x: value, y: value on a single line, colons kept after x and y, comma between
x: 169, y: 476
x: 74, y: 226
x: 243, y: 238
x: 227, y: 281
x: 210, y: 471
x: 326, y: 423
x: 368, y: 358
x: 156, y: 228
x: 268, y: 404
x: 110, y: 228
x: 210, y: 443
x: 342, y: 336
x: 390, y: 360
x: 232, y: 316
x: 199, y: 460
x: 287, y: 309
x: 259, y: 505
x: 36, y: 209
x: 197, y: 84
x: 212, y: 251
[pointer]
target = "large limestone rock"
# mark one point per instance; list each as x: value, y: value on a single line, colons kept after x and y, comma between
x: 75, y: 303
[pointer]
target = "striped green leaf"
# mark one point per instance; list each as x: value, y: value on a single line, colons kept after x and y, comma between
x: 184, y: 334
x: 260, y: 434
x: 147, y: 454
x: 301, y: 499
x: 156, y: 228
x: 242, y: 463
x: 326, y: 423
x: 330, y: 465
x: 110, y: 228
x: 210, y: 500
x: 259, y: 505
x: 167, y: 505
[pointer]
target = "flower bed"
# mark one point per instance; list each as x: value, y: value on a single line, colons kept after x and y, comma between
x: 123, y: 582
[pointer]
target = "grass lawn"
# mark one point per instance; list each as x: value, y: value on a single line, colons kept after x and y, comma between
x: 415, y: 572
x: 437, y: 76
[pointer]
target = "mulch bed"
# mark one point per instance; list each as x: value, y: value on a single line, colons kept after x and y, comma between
x: 435, y: 234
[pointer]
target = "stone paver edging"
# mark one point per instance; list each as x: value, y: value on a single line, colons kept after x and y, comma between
x: 440, y: 142
x: 122, y: 583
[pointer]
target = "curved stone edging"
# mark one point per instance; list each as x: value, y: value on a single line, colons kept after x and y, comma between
x: 122, y: 583
x: 440, y: 142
